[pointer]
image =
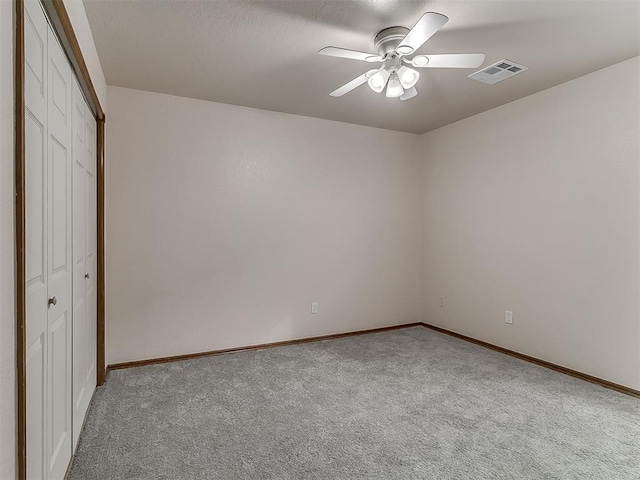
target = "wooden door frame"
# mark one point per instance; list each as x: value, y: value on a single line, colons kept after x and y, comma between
x: 61, y: 25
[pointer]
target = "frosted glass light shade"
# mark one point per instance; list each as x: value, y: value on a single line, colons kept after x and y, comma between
x: 394, y: 87
x: 378, y: 80
x: 408, y: 76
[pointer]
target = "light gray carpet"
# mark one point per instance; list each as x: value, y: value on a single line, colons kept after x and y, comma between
x: 402, y: 404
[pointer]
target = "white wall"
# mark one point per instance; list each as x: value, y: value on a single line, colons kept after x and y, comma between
x: 534, y: 207
x: 7, y: 256
x: 224, y: 223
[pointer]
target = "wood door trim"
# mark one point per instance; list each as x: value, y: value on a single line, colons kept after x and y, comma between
x: 20, y: 227
x: 101, y: 374
x: 63, y: 28
x: 190, y: 356
x: 542, y: 363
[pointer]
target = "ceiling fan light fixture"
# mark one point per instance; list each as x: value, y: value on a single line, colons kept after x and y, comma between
x: 393, y: 44
x: 408, y: 77
x: 378, y: 80
x: 420, y: 61
x: 394, y: 87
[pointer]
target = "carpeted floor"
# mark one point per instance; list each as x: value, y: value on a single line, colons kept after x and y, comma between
x: 401, y: 404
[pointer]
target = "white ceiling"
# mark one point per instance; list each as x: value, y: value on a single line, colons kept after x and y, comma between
x: 263, y: 54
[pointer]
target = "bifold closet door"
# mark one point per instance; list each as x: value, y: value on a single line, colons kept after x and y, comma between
x: 48, y: 248
x: 60, y: 259
x: 35, y: 123
x: 84, y: 259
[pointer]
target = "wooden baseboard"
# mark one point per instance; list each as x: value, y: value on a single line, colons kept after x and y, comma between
x: 521, y: 356
x: 175, y: 358
x: 537, y: 361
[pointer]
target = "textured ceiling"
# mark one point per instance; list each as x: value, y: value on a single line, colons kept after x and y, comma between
x: 263, y: 54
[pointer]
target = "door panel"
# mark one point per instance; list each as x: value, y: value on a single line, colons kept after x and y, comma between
x: 91, y: 250
x: 80, y: 400
x: 36, y: 92
x: 60, y: 265
x: 58, y: 207
x: 60, y: 385
x: 36, y: 227
x: 35, y: 202
x: 35, y: 59
x: 90, y: 286
x: 36, y: 386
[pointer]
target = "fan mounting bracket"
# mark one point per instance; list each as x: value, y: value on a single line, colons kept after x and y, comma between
x: 387, y: 40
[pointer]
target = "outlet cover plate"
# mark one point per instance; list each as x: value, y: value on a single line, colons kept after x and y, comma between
x: 508, y: 317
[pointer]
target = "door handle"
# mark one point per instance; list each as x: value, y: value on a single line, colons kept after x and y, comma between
x: 52, y: 301
x: 86, y: 275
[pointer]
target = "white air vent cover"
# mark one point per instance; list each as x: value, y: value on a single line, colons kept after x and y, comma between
x: 498, y: 71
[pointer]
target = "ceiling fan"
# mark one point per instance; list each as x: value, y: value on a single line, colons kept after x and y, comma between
x: 393, y: 45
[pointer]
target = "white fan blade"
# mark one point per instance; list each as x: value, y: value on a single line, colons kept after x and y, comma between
x: 356, y: 82
x: 352, y: 54
x: 410, y: 93
x: 422, y: 31
x: 455, y: 60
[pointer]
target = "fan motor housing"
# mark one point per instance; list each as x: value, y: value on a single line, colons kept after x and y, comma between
x: 387, y: 40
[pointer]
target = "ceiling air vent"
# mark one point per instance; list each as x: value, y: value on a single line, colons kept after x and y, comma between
x: 498, y: 71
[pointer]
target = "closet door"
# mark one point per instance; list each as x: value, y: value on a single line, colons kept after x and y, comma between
x: 36, y: 145
x: 60, y: 264
x: 79, y: 263
x: 60, y: 170
x: 84, y: 259
x: 91, y: 252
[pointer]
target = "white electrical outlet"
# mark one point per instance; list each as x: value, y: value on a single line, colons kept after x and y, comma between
x: 508, y: 317
x: 441, y: 302
x: 314, y: 307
